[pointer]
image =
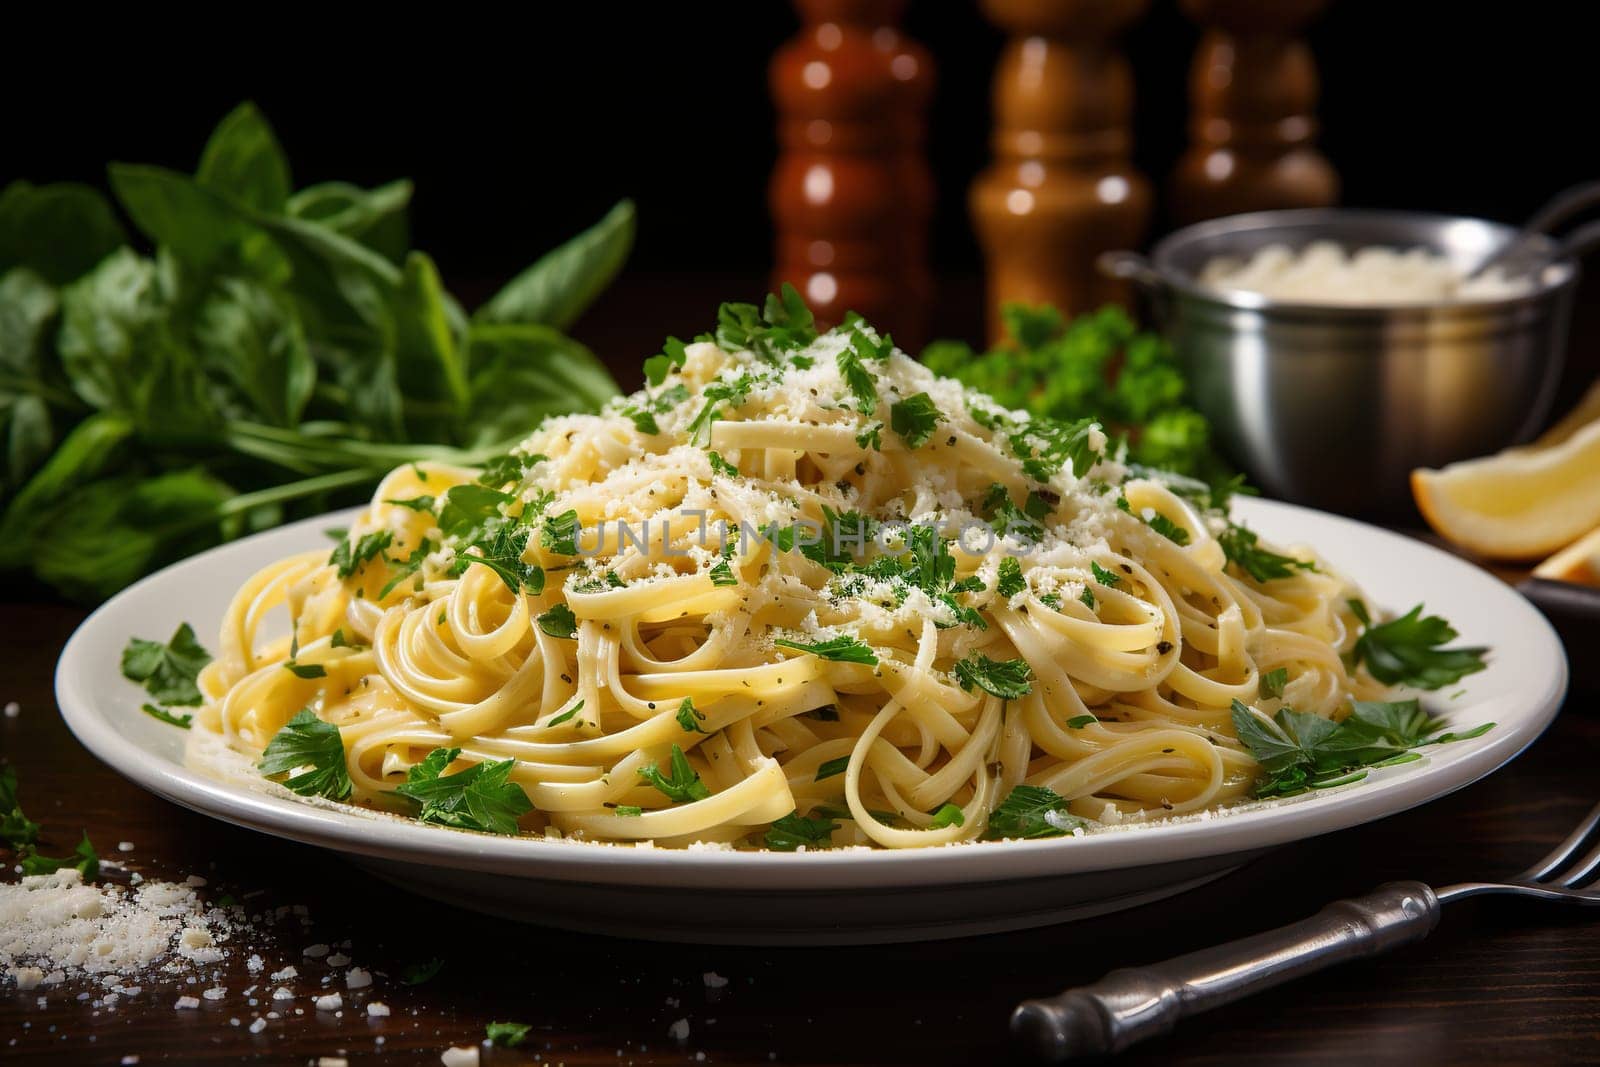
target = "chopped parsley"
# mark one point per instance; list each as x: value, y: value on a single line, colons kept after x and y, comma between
x: 1240, y: 546
x: 566, y: 715
x: 508, y: 469
x: 311, y: 753
x: 1007, y: 519
x: 690, y: 717
x: 415, y: 503
x: 181, y: 721
x: 841, y: 649
x: 1032, y: 811
x: 1010, y: 581
x: 722, y: 466
x: 1103, y: 576
x: 83, y: 857
x: 350, y: 557
x: 1273, y: 681
x: 506, y: 1035
x: 832, y: 767
x: 1008, y: 679
x: 682, y: 785
x: 783, y: 324
x: 473, y: 519
x: 871, y: 437
x: 1045, y: 446
x: 1167, y: 528
x: 722, y: 571
x: 914, y: 419
x: 482, y: 797
x: 859, y: 380
x: 560, y: 534
x: 948, y: 815
x: 401, y: 569
x: 794, y: 831
x: 307, y: 671
x: 1078, y: 722
x: 1086, y: 598
x: 735, y: 392
x: 418, y: 973
x: 1405, y: 651
x: 559, y: 622
x: 671, y: 358
x: 168, y: 672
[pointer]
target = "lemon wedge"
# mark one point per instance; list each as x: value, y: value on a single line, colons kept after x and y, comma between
x: 1586, y: 411
x: 1519, y: 504
x: 1578, y: 563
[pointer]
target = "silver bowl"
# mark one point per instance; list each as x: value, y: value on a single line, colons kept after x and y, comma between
x: 1333, y: 406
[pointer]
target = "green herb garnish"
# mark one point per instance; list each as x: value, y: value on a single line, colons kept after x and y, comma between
x: 181, y: 721
x: 559, y: 622
x: 168, y: 672
x: 311, y: 752
x: 1007, y: 679
x: 482, y: 797
x: 682, y: 785
x: 1032, y: 811
x: 795, y: 831
x: 841, y: 649
x: 1240, y: 546
x: 690, y: 717
x: 832, y: 767
x: 1405, y: 651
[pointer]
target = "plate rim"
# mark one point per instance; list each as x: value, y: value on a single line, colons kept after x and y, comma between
x: 395, y: 838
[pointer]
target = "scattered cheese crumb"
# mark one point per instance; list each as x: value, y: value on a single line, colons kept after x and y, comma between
x: 124, y: 846
x: 356, y: 978
x: 460, y: 1057
x: 194, y: 881
x: 377, y: 1008
x: 258, y: 1026
x: 282, y: 993
x: 316, y: 951
x: 679, y: 1031
x: 187, y: 1003
x: 331, y: 1002
x: 714, y: 980
x: 287, y: 972
x: 215, y: 993
x: 13, y: 709
x: 338, y: 959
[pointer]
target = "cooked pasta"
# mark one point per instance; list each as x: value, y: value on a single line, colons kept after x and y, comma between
x: 798, y: 592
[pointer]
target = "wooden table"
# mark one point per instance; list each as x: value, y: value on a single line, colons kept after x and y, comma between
x: 1497, y: 983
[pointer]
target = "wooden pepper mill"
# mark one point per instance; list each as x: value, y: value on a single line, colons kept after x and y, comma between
x: 1253, y: 96
x: 851, y: 193
x: 1062, y: 188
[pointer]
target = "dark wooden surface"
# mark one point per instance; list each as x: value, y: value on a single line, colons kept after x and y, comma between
x: 1497, y: 982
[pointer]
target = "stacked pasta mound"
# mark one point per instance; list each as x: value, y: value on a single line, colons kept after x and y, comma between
x: 797, y: 592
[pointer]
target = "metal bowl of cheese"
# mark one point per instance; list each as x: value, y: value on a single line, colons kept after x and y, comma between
x: 1330, y: 393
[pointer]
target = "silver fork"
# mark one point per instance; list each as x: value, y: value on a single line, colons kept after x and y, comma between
x: 1129, y: 1005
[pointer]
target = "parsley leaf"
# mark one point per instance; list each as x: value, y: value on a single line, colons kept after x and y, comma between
x: 871, y: 437
x: 180, y: 721
x: 479, y: 798
x: 1239, y: 545
x: 671, y: 358
x: 1010, y: 581
x: 722, y: 466
x: 682, y: 785
x: 1273, y: 681
x: 415, y: 503
x: 1007, y: 679
x: 1045, y: 446
x: 16, y: 829
x: 401, y: 569
x: 859, y: 380
x: 1405, y: 651
x: 474, y: 521
x: 84, y: 858
x: 566, y: 715
x: 840, y: 649
x: 783, y: 323
x: 1086, y: 598
x: 1078, y: 722
x: 307, y: 742
x: 168, y: 671
x: 506, y: 1035
x: 350, y: 557
x: 735, y: 392
x: 690, y: 718
x: 508, y: 469
x: 914, y: 419
x: 793, y: 831
x: 722, y: 571
x: 948, y: 815
x: 306, y: 670
x: 1032, y: 811
x: 560, y: 534
x: 1167, y: 528
x: 830, y: 768
x: 1103, y: 576
x: 559, y: 622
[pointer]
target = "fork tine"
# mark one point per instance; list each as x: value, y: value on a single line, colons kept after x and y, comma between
x: 1563, y: 852
x: 1581, y: 869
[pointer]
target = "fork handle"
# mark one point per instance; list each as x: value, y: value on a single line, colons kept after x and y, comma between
x: 1129, y: 1005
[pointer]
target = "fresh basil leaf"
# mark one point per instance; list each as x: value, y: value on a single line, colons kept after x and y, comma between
x: 562, y: 284
x: 375, y: 218
x: 250, y: 337
x: 243, y: 161
x: 58, y: 231
x: 522, y: 373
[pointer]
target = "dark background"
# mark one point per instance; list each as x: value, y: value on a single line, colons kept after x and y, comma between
x: 519, y: 131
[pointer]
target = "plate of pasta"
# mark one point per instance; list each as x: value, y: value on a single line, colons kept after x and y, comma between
x: 802, y: 643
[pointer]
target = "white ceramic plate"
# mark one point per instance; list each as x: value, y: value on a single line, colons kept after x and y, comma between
x: 837, y: 896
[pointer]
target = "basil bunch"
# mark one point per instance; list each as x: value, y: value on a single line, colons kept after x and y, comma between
x: 276, y: 354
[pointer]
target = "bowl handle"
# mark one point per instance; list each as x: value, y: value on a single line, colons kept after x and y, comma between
x: 1129, y: 267
x: 1582, y: 241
